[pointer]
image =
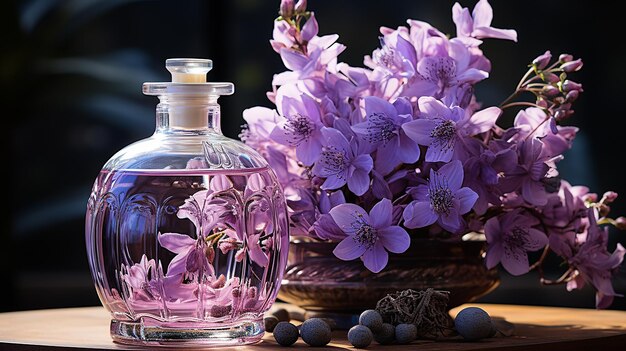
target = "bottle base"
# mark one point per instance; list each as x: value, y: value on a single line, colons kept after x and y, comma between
x: 137, y: 333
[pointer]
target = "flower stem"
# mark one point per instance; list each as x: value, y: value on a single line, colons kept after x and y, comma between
x: 520, y: 103
x: 570, y: 274
x: 521, y: 82
x: 544, y: 254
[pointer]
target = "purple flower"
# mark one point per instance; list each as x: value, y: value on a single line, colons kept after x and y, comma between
x: 478, y: 25
x: 369, y: 236
x: 382, y: 131
x: 140, y: 279
x: 191, y: 255
x: 441, y: 127
x: 510, y: 237
x: 321, y: 53
x: 443, y: 200
x: 482, y: 169
x: 533, y: 122
x: 300, y: 125
x: 198, y: 209
x: 595, y: 264
x: 342, y: 162
x: 529, y: 175
x: 437, y: 74
x: 325, y: 227
x: 260, y: 121
x: 563, y: 216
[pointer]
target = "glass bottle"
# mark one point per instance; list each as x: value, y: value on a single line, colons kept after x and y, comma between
x: 186, y: 231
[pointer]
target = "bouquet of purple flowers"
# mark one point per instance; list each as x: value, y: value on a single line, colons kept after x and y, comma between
x: 368, y: 156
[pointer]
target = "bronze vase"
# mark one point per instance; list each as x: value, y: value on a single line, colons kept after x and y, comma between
x: 318, y: 281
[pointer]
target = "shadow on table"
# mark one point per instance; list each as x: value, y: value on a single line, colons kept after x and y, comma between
x: 525, y: 337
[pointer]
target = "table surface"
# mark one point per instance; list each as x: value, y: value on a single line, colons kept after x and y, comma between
x: 536, y: 328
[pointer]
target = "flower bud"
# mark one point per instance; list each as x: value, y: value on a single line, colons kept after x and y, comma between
x: 559, y: 100
x: 569, y: 85
x: 301, y: 6
x: 566, y: 57
x: 550, y: 91
x: 542, y: 103
x: 572, y: 96
x: 572, y: 66
x: 542, y: 61
x: 252, y: 292
x: 590, y: 197
x: 550, y: 77
x: 561, y: 115
x: 286, y: 8
x: 210, y: 253
x: 219, y: 282
x: 609, y: 197
x: 604, y: 210
x: 620, y: 223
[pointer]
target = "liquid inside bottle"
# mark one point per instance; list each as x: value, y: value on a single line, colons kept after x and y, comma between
x: 187, y: 231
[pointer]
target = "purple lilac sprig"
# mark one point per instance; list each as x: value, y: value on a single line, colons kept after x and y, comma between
x: 403, y: 146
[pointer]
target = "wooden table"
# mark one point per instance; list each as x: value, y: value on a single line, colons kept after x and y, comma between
x: 536, y: 328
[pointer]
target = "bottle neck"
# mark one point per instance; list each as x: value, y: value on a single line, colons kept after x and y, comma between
x: 197, y: 114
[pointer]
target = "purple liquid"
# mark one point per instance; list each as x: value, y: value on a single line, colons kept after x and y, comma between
x: 187, y: 248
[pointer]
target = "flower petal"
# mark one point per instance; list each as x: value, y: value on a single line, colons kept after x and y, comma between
x: 515, y: 260
x: 255, y: 252
x: 178, y: 264
x: 535, y: 240
x: 420, y: 130
x: 439, y: 153
x: 467, y: 198
x: 386, y: 157
x: 453, y: 174
x: 408, y: 151
x: 450, y: 221
x: 463, y: 20
x: 375, y: 104
x: 419, y: 214
x: 363, y: 162
x: 312, y: 108
x: 334, y: 181
x: 483, y: 120
x: 310, y: 28
x: 293, y: 60
x: 534, y: 192
x: 494, y: 253
x: 432, y: 107
x: 308, y: 151
x: 376, y: 258
x: 381, y: 214
x: 345, y: 215
x: 482, y: 14
x: 394, y: 238
x: 472, y: 75
x: 348, y: 249
x: 176, y: 243
x: 335, y: 138
x: 496, y: 33
x: 359, y: 181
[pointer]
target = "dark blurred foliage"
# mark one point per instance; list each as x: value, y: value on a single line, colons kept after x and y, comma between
x: 71, y: 73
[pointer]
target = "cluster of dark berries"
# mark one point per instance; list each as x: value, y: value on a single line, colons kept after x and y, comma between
x: 313, y: 331
x: 372, y: 328
x: 471, y: 323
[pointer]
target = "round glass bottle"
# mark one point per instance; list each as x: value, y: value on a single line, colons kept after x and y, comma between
x: 186, y: 231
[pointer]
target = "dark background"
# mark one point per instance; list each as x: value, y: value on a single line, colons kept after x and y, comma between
x: 71, y: 75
